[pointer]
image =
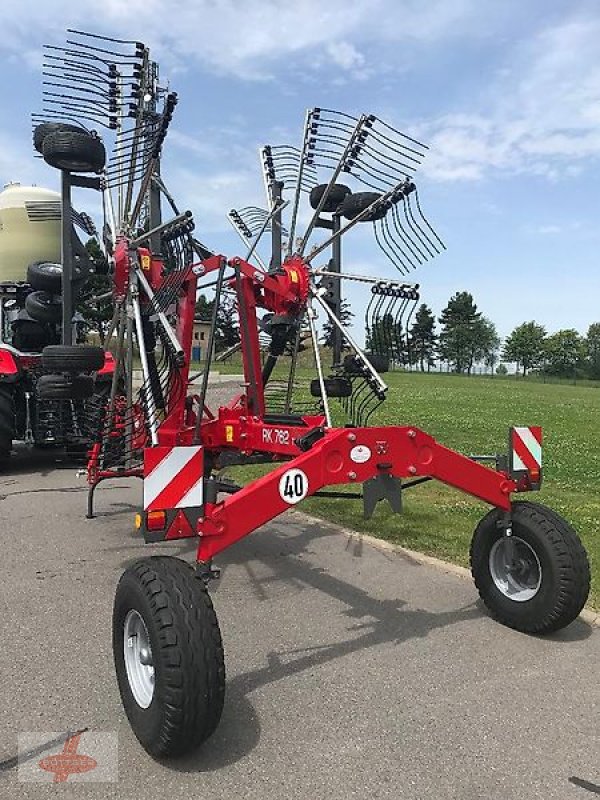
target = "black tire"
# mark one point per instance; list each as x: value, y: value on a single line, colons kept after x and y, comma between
x: 46, y: 128
x: 30, y: 336
x: 74, y: 151
x: 355, y: 204
x: 336, y: 196
x: 65, y: 387
x: 379, y: 362
x: 72, y: 358
x: 44, y: 307
x: 187, y: 655
x: 7, y: 419
x: 560, y: 581
x: 45, y: 276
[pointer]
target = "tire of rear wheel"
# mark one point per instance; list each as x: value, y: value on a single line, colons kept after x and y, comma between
x: 46, y: 128
x: 72, y: 358
x: 7, y: 420
x: 42, y: 307
x: 565, y: 583
x: 65, y: 387
x: 74, y: 151
x: 187, y: 651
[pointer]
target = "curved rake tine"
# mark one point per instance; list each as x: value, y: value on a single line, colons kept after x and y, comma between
x: 387, y: 248
x: 339, y: 167
x: 397, y: 245
x: 406, y: 237
x: 426, y: 221
x: 419, y: 235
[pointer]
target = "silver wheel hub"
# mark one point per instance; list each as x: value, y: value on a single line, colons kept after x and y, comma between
x: 138, y: 658
x: 515, y: 569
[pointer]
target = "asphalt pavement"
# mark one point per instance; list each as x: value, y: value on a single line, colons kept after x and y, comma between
x: 351, y: 671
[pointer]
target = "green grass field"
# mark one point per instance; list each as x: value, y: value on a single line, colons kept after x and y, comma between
x: 473, y: 415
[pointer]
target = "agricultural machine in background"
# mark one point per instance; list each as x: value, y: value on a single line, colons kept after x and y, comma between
x: 527, y: 562
x: 39, y: 408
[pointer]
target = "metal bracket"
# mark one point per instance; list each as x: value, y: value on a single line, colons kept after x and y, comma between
x: 206, y: 571
x: 382, y: 487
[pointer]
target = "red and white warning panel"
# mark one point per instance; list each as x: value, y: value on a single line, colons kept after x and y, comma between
x: 173, y: 477
x: 525, y: 452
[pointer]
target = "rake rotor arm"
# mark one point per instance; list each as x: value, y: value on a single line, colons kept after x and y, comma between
x: 401, y: 452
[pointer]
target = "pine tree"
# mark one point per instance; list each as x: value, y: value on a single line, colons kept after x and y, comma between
x: 327, y: 332
x: 423, y: 337
x: 460, y: 328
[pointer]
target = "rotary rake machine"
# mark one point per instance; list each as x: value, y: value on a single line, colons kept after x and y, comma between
x: 528, y: 563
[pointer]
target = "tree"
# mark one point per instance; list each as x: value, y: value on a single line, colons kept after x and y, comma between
x: 327, y: 332
x: 96, y: 313
x: 487, y: 343
x: 525, y: 345
x: 227, y: 332
x: 592, y: 346
x: 423, y: 337
x: 204, y: 308
x: 459, y: 331
x: 386, y: 336
x: 564, y: 352
x: 501, y: 369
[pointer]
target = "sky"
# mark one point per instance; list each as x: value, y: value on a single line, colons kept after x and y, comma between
x: 506, y: 95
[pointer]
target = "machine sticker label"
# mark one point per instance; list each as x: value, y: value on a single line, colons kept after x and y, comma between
x: 293, y: 486
x: 275, y: 436
x: 294, y: 276
x: 146, y: 262
x: 360, y: 454
x: 229, y: 433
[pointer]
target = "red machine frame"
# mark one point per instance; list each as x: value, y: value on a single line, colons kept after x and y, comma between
x: 327, y: 456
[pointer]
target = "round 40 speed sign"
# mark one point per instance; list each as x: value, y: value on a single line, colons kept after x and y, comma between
x: 293, y: 486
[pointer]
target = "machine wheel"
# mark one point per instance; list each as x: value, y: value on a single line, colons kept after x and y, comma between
x: 7, y: 420
x: 72, y: 358
x: 43, y: 307
x: 168, y: 655
x: 356, y: 203
x: 65, y: 387
x: 337, y: 195
x: 46, y: 128
x: 538, y: 579
x: 74, y: 151
x: 45, y: 276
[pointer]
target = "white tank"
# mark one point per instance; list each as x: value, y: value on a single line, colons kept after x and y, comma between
x: 29, y: 229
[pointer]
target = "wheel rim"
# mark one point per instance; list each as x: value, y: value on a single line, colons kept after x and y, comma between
x: 138, y: 659
x: 515, y: 569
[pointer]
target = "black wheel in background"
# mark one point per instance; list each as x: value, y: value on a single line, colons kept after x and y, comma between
x: 356, y: 203
x: 46, y: 128
x: 7, y: 419
x: 538, y: 579
x: 74, y: 151
x: 65, y: 387
x: 168, y: 655
x: 44, y: 307
x: 337, y: 195
x: 72, y: 358
x: 45, y: 276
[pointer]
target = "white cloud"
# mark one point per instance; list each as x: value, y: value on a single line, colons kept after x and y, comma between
x: 345, y: 55
x: 242, y: 38
x: 541, y: 116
